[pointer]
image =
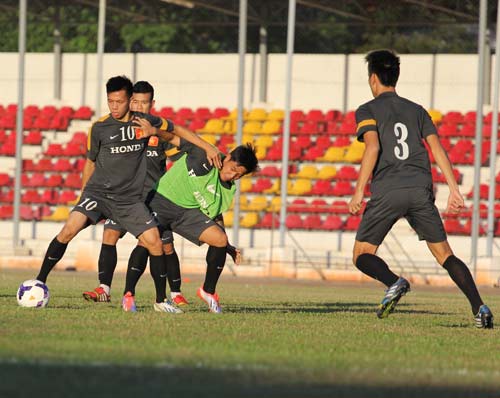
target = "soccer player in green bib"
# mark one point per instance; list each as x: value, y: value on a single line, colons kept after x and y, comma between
x: 190, y: 200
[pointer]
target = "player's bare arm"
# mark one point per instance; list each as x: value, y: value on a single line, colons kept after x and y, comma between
x: 455, y: 199
x: 88, y: 170
x: 213, y: 154
x: 370, y: 156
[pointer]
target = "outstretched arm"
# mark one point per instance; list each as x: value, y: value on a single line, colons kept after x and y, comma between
x: 213, y: 154
x: 370, y: 156
x: 455, y: 199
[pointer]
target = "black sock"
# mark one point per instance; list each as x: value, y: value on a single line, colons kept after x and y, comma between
x: 173, y: 272
x: 461, y: 275
x: 158, y: 270
x: 136, y: 265
x: 107, y: 264
x: 376, y: 268
x: 55, y: 252
x: 216, y: 259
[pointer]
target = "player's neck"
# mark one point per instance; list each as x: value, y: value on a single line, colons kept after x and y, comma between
x: 384, y: 89
x: 125, y: 117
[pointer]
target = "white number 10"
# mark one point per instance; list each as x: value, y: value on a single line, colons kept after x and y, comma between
x: 402, y: 151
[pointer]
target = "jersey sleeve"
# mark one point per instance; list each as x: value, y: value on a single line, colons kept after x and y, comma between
x: 365, y: 121
x: 196, y: 158
x: 427, y: 126
x: 159, y: 122
x: 93, y: 144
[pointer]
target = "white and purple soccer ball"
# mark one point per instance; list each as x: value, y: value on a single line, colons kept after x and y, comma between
x: 33, y: 293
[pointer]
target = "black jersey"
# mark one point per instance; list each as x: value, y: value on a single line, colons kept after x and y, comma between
x: 120, y: 164
x: 156, y: 155
x: 401, y: 125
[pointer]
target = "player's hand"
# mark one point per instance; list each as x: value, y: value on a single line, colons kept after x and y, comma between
x: 214, y: 156
x: 356, y: 203
x: 147, y: 129
x: 455, y: 202
x: 234, y: 253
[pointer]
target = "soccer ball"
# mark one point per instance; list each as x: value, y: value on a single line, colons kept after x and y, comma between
x: 33, y: 293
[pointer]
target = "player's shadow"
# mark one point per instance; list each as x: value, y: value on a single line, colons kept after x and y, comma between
x: 326, y: 308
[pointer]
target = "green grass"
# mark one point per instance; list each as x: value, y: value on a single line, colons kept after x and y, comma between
x: 276, y: 338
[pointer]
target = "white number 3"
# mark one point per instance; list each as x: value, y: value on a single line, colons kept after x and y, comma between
x: 402, y: 151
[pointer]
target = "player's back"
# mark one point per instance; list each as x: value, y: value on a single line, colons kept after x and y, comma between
x: 401, y: 125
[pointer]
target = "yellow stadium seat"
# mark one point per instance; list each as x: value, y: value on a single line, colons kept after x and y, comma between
x: 249, y: 220
x: 275, y: 204
x: 276, y: 114
x: 246, y: 138
x: 246, y: 184
x: 435, y: 115
x: 234, y: 114
x: 214, y: 126
x: 265, y: 141
x: 252, y: 128
x: 229, y: 127
x: 61, y: 213
x: 257, y: 114
x: 275, y: 188
x: 243, y: 203
x: 300, y: 187
x: 258, y: 203
x: 327, y: 172
x: 333, y: 154
x: 271, y: 127
x: 354, y: 152
x: 228, y: 218
x: 308, y: 171
x: 210, y: 138
x: 261, y: 152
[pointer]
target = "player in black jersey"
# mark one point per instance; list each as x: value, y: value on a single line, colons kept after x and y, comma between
x: 393, y: 129
x: 113, y: 180
x: 156, y: 154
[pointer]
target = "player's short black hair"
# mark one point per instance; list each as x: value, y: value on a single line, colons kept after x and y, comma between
x: 118, y: 83
x: 144, y: 87
x: 385, y: 64
x: 245, y: 156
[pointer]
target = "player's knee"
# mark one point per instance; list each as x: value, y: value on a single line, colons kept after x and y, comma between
x: 68, y: 232
x: 168, y: 248
x: 110, y: 237
x: 220, y: 240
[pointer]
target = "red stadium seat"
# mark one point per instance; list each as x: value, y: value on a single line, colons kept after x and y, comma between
x: 54, y: 150
x: 314, y: 153
x: 453, y: 226
x: 298, y: 206
x: 220, y: 112
x: 332, y: 223
x: 347, y: 173
x: 66, y: 196
x: 185, y: 113
x: 339, y: 207
x: 321, y: 187
x: 5, y: 180
x: 315, y: 115
x: 293, y: 221
x: 352, y: 223
x: 44, y: 165
x: 269, y: 220
x: 272, y: 171
x: 34, y: 137
x: 31, y: 196
x: 62, y: 165
x: 333, y: 115
x: 297, y: 115
x: 312, y: 221
x: 55, y: 180
x: 203, y: 114
x: 83, y: 113
x: 319, y: 206
x: 6, y: 212
x: 342, y: 188
x: 36, y: 180
x: 261, y: 185
x: 73, y: 180
x: 74, y: 149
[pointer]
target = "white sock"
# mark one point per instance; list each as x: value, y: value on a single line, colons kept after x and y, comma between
x: 106, y: 288
x: 174, y: 294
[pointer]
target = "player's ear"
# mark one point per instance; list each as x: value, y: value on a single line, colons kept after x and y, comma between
x: 153, y: 103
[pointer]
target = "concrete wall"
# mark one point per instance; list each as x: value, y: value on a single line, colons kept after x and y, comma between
x: 211, y: 79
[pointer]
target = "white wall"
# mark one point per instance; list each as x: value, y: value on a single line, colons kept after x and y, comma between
x: 211, y: 79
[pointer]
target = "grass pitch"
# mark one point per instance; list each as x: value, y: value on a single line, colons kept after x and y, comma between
x: 276, y: 338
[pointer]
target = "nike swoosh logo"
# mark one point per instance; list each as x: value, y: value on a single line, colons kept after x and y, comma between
x: 206, y: 222
x: 112, y: 137
x: 176, y: 280
x: 205, y: 166
x: 53, y: 258
x: 135, y: 269
x: 150, y: 221
x: 163, y: 276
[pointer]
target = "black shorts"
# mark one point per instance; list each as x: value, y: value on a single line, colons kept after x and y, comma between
x: 415, y: 204
x: 189, y: 223
x: 166, y: 236
x: 133, y: 217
